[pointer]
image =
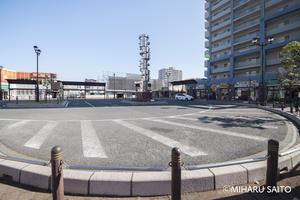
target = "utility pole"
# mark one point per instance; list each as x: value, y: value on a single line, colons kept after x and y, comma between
x: 114, y: 85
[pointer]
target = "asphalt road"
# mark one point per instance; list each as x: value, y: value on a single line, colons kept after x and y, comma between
x: 117, y: 134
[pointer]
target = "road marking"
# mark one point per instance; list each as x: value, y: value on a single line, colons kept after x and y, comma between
x: 37, y: 140
x: 89, y: 103
x: 191, y: 151
x: 67, y: 104
x: 18, y: 124
x: 230, y: 133
x: 91, y: 145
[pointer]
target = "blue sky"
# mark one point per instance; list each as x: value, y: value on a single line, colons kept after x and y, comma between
x: 83, y: 38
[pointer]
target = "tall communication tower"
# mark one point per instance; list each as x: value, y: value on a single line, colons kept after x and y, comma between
x: 144, y: 62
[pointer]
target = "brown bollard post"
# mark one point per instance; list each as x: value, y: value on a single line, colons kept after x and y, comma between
x: 176, y: 174
x: 272, y: 163
x: 57, y: 173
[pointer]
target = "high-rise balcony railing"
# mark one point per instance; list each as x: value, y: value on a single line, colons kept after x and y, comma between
x: 247, y: 64
x: 220, y: 25
x: 206, y: 24
x: 221, y: 14
x: 219, y: 4
x: 206, y: 44
x: 206, y: 5
x: 224, y: 46
x: 272, y: 2
x: 245, y: 38
x: 247, y: 12
x: 246, y: 49
x: 283, y: 27
x: 220, y: 36
x: 240, y: 3
x: 246, y: 25
x: 207, y: 34
x: 219, y: 69
x: 273, y: 61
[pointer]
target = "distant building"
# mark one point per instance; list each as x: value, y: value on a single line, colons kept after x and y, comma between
x: 122, y: 86
x: 169, y: 75
x: 24, y: 91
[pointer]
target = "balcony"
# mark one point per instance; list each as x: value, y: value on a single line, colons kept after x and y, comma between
x: 206, y: 63
x: 206, y: 5
x: 242, y: 50
x: 222, y: 35
x: 221, y: 25
x: 245, y: 38
x: 273, y: 61
x: 207, y: 25
x: 272, y: 2
x: 220, y: 69
x: 219, y: 4
x: 246, y: 25
x: 247, y: 64
x: 283, y: 27
x: 247, y: 12
x: 240, y: 3
x: 207, y: 34
x: 206, y: 15
x: 207, y: 44
x: 221, y: 14
x: 224, y: 46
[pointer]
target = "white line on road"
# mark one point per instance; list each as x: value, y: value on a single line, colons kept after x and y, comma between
x: 191, y: 151
x: 37, y: 140
x: 18, y: 124
x: 91, y: 145
x: 67, y: 104
x: 89, y: 104
x: 213, y: 130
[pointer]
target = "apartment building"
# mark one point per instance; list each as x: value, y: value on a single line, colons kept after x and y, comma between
x: 168, y: 75
x: 236, y: 67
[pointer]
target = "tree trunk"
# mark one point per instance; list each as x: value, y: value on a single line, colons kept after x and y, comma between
x: 291, y: 101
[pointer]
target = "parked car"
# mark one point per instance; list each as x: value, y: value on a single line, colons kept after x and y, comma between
x: 184, y: 97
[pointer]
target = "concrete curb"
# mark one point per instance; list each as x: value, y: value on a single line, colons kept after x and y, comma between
x: 127, y: 183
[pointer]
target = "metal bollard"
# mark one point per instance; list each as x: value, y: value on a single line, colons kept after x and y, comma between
x: 57, y: 173
x: 272, y: 163
x: 176, y: 174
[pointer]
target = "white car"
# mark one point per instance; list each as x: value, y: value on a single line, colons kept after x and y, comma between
x: 184, y: 97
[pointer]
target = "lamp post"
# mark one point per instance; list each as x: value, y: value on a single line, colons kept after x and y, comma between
x: 114, y: 85
x: 168, y: 83
x: 262, y: 44
x: 38, y: 52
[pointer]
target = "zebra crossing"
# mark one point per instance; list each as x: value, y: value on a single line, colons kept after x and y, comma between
x: 92, y: 143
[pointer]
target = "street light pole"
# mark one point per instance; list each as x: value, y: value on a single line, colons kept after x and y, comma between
x: 38, y: 52
x: 114, y: 85
x: 256, y: 41
x: 168, y: 83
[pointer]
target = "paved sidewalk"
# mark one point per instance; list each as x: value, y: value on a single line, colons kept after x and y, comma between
x: 11, y: 191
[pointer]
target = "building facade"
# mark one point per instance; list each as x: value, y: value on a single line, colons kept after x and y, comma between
x: 235, y: 66
x: 169, y: 75
x: 24, y: 91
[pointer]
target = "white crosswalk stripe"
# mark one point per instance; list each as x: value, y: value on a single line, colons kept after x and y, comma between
x: 91, y: 145
x: 18, y: 124
x: 230, y: 133
x: 37, y: 140
x: 216, y: 122
x: 191, y: 151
